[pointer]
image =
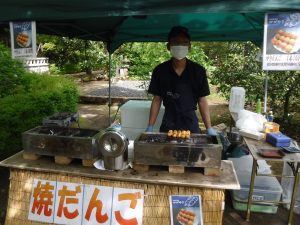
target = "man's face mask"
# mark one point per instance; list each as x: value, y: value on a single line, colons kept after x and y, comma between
x: 179, y: 51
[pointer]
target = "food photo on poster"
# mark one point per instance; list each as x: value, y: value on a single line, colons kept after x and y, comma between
x: 23, y: 39
x: 22, y: 34
x: 186, y: 210
x: 282, y: 41
x: 286, y: 41
x: 283, y: 34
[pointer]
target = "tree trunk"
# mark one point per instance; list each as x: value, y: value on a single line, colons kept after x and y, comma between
x: 286, y: 104
x: 88, y: 71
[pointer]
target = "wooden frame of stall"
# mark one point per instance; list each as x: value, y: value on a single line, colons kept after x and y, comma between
x: 158, y: 186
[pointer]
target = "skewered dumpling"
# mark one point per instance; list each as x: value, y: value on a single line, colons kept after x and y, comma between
x: 170, y: 133
x: 179, y: 133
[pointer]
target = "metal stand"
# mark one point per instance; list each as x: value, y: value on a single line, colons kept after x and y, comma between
x: 254, y: 167
x: 290, y: 158
x: 294, y: 195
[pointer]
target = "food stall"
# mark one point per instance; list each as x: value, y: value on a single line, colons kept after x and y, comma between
x: 155, y: 186
x: 54, y: 161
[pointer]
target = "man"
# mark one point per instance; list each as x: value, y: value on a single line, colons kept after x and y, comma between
x: 180, y: 84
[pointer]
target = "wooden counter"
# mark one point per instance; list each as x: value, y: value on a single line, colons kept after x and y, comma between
x: 157, y: 184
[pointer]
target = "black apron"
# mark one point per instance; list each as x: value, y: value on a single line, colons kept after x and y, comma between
x: 180, y: 109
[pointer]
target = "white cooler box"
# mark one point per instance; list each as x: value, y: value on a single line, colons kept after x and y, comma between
x: 135, y: 117
x: 132, y: 133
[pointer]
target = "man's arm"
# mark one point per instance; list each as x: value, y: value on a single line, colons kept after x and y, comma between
x: 204, y: 111
x: 154, y: 110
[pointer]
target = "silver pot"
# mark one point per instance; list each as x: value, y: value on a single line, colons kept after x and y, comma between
x: 113, y: 145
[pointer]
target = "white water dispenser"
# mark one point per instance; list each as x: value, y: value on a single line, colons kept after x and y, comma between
x: 237, y: 99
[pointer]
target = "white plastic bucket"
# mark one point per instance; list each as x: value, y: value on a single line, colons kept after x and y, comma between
x: 237, y: 99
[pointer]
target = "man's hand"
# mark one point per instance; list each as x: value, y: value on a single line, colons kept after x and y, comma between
x: 211, y: 132
x: 149, y: 129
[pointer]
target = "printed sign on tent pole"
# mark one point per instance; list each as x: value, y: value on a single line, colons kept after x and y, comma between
x: 23, y: 39
x: 281, y: 41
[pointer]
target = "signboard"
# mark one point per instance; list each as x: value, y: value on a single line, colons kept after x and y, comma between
x: 68, y: 203
x: 42, y: 201
x: 23, y: 39
x: 101, y: 200
x: 281, y: 41
x: 71, y: 203
x: 186, y: 210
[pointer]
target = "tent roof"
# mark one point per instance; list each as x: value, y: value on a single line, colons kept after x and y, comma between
x: 120, y: 21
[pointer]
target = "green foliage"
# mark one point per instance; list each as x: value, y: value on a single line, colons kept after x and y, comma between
x: 198, y: 55
x: 70, y: 67
x: 143, y: 57
x: 53, y: 69
x: 237, y: 66
x: 73, y: 55
x: 26, y: 99
x: 10, y: 72
x: 284, y: 92
x: 41, y: 97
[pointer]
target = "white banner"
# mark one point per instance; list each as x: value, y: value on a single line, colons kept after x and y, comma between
x: 23, y: 39
x: 68, y: 204
x: 42, y: 200
x: 127, y: 206
x: 98, y: 205
x: 281, y: 41
x: 71, y: 203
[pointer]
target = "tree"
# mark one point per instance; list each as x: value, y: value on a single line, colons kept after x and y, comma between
x: 284, y: 92
x: 73, y: 55
x: 144, y: 57
x: 236, y: 65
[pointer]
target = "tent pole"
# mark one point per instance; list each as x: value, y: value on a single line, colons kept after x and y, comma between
x: 109, y: 87
x: 266, y: 93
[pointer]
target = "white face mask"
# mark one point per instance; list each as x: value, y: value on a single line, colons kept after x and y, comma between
x: 179, y: 51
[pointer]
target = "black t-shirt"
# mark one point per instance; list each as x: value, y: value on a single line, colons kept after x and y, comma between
x: 165, y: 82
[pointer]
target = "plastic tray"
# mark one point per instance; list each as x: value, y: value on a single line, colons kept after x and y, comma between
x: 271, y: 153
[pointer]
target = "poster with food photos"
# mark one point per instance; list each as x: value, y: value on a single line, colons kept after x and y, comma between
x: 23, y: 39
x: 186, y: 210
x: 281, y: 41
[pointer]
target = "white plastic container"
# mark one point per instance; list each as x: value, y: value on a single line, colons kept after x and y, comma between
x: 237, y: 99
x: 133, y: 133
x: 265, y: 189
x: 135, y: 114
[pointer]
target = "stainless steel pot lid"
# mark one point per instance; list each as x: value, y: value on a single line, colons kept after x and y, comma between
x: 112, y: 142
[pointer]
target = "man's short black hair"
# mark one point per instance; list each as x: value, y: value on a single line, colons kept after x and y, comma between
x: 175, y: 31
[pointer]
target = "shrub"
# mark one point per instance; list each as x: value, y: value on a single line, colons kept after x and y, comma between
x: 27, y: 98
x: 40, y: 96
x: 54, y: 69
x: 10, y: 72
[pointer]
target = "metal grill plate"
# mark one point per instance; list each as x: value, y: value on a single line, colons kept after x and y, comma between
x: 158, y: 149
